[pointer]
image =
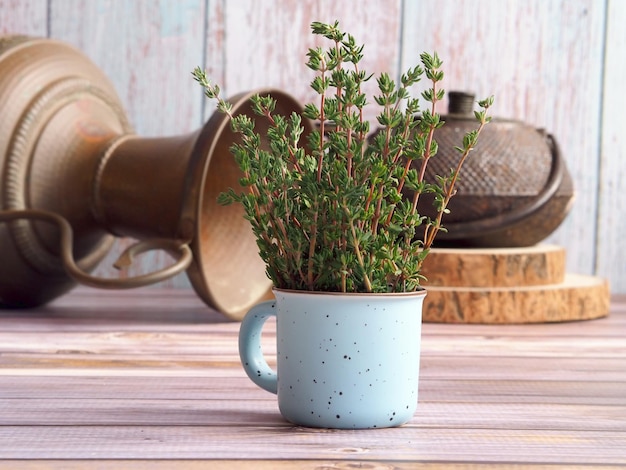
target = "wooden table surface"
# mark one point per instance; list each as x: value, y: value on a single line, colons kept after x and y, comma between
x: 151, y: 379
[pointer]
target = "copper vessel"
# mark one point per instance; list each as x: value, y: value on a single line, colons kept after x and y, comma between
x: 73, y: 176
x: 514, y: 189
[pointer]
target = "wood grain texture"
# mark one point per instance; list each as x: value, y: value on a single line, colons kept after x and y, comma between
x: 267, y: 42
x: 495, y: 267
x: 149, y: 379
x: 148, y: 50
x: 611, y: 222
x: 138, y: 464
x: 578, y: 297
x: 509, y: 285
x: 553, y: 64
x: 26, y: 17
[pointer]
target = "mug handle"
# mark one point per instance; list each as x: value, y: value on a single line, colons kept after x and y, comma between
x: 250, y: 351
x: 179, y: 250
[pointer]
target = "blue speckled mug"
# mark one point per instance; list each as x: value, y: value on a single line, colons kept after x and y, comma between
x: 344, y: 361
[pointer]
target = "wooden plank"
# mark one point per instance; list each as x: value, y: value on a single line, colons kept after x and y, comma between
x: 267, y: 42
x: 178, y: 411
x: 102, y: 320
x: 508, y: 367
x: 309, y: 464
x: 63, y: 350
x: 191, y: 348
x: 411, y: 442
x: 162, y: 41
x: 451, y: 366
x: 26, y: 17
x: 214, y: 60
x: 611, y: 224
x: 493, y: 389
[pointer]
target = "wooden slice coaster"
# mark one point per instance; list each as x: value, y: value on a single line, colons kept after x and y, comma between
x: 495, y: 267
x: 578, y: 297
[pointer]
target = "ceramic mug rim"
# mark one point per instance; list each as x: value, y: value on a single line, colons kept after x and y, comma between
x: 418, y: 293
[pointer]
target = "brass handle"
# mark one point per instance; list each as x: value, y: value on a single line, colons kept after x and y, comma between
x: 179, y: 250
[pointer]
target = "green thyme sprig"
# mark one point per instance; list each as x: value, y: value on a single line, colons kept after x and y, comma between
x: 328, y: 211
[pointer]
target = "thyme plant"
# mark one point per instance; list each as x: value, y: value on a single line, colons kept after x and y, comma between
x: 328, y: 210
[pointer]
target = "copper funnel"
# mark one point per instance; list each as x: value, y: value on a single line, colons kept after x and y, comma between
x: 68, y: 154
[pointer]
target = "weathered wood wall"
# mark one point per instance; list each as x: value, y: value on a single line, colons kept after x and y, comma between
x: 556, y: 64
